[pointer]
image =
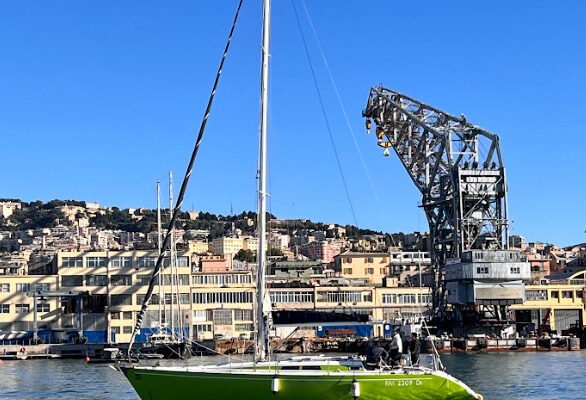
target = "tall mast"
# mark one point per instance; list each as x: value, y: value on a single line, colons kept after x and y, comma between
x: 261, y: 336
x: 159, y: 253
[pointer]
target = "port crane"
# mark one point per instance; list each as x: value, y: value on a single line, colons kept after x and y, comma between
x: 458, y: 168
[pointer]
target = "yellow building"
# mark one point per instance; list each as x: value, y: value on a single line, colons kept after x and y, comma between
x: 17, y: 307
x: 372, y: 267
x: 198, y: 246
x: 227, y: 245
x: 559, y: 304
x: 118, y: 281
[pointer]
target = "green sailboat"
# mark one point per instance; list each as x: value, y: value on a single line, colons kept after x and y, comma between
x: 296, y: 378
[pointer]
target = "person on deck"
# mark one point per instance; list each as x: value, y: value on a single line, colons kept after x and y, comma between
x: 414, y: 349
x: 375, y: 354
x: 396, y: 348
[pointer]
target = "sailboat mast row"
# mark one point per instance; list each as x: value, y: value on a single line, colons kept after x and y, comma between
x: 262, y: 334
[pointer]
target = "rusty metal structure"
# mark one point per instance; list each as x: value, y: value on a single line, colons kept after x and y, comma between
x: 458, y: 168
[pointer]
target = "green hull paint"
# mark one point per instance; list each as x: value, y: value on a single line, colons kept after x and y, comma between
x: 197, y: 385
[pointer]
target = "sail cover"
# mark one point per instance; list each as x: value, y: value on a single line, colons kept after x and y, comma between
x: 314, y: 318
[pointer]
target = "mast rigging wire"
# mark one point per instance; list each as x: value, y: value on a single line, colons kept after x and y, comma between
x: 347, y: 119
x: 183, y: 189
x: 324, y: 112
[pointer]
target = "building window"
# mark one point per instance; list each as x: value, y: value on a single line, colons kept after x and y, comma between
x: 534, y: 295
x: 348, y: 271
x: 72, y: 262
x: 567, y: 294
x: 183, y: 279
x: 127, y: 330
x: 22, y: 308
x: 222, y: 317
x: 482, y: 270
x: 515, y: 270
x: 96, y: 262
x: 121, y: 280
x: 4, y: 308
x: 96, y: 280
x: 121, y: 300
x: 222, y: 279
x: 389, y: 298
x: 406, y: 299
x: 555, y: 294
x: 243, y: 315
x: 383, y: 271
x: 348, y: 260
x: 184, y: 298
x: 200, y: 315
x: 123, y: 262
x: 291, y: 297
x: 146, y: 261
x: 42, y: 287
x: 202, y: 328
x: 72, y: 280
x: 43, y: 307
x: 424, y: 299
x: 115, y: 315
x: 140, y: 299
x: 222, y: 297
x: 116, y: 330
x: 369, y: 271
x: 244, y: 327
x: 367, y: 297
x: 5, y: 288
x: 23, y: 287
x: 340, y: 297
x: 127, y: 314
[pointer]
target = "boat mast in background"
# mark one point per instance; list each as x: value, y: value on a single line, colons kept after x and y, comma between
x: 159, y: 245
x: 262, y: 348
x: 171, y: 258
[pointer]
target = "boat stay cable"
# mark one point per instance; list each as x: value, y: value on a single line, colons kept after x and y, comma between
x: 327, y: 121
x: 180, y: 197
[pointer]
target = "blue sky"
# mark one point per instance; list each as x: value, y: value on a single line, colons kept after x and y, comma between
x: 98, y: 100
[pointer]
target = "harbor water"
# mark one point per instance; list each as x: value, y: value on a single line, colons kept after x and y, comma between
x: 502, y: 376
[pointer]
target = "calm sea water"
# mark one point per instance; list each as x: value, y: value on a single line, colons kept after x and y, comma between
x: 535, y: 376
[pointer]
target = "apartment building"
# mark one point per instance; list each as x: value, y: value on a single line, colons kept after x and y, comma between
x: 373, y: 267
x: 17, y: 307
x: 227, y: 245
x: 321, y: 250
x: 406, y: 264
x: 117, y: 282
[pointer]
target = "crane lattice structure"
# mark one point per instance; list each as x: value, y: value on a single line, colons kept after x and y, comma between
x: 457, y: 167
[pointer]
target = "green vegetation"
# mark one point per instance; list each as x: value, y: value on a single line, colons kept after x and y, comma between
x: 37, y: 214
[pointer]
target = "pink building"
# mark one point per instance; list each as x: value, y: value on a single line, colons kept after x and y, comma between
x: 322, y: 251
x: 221, y: 263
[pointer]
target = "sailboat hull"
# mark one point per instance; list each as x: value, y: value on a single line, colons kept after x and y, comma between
x: 160, y: 384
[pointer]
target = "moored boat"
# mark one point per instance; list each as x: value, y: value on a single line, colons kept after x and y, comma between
x: 296, y: 378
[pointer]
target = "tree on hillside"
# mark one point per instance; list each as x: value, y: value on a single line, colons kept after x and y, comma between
x: 245, y: 255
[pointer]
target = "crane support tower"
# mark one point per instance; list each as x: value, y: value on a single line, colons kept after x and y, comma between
x: 458, y: 168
